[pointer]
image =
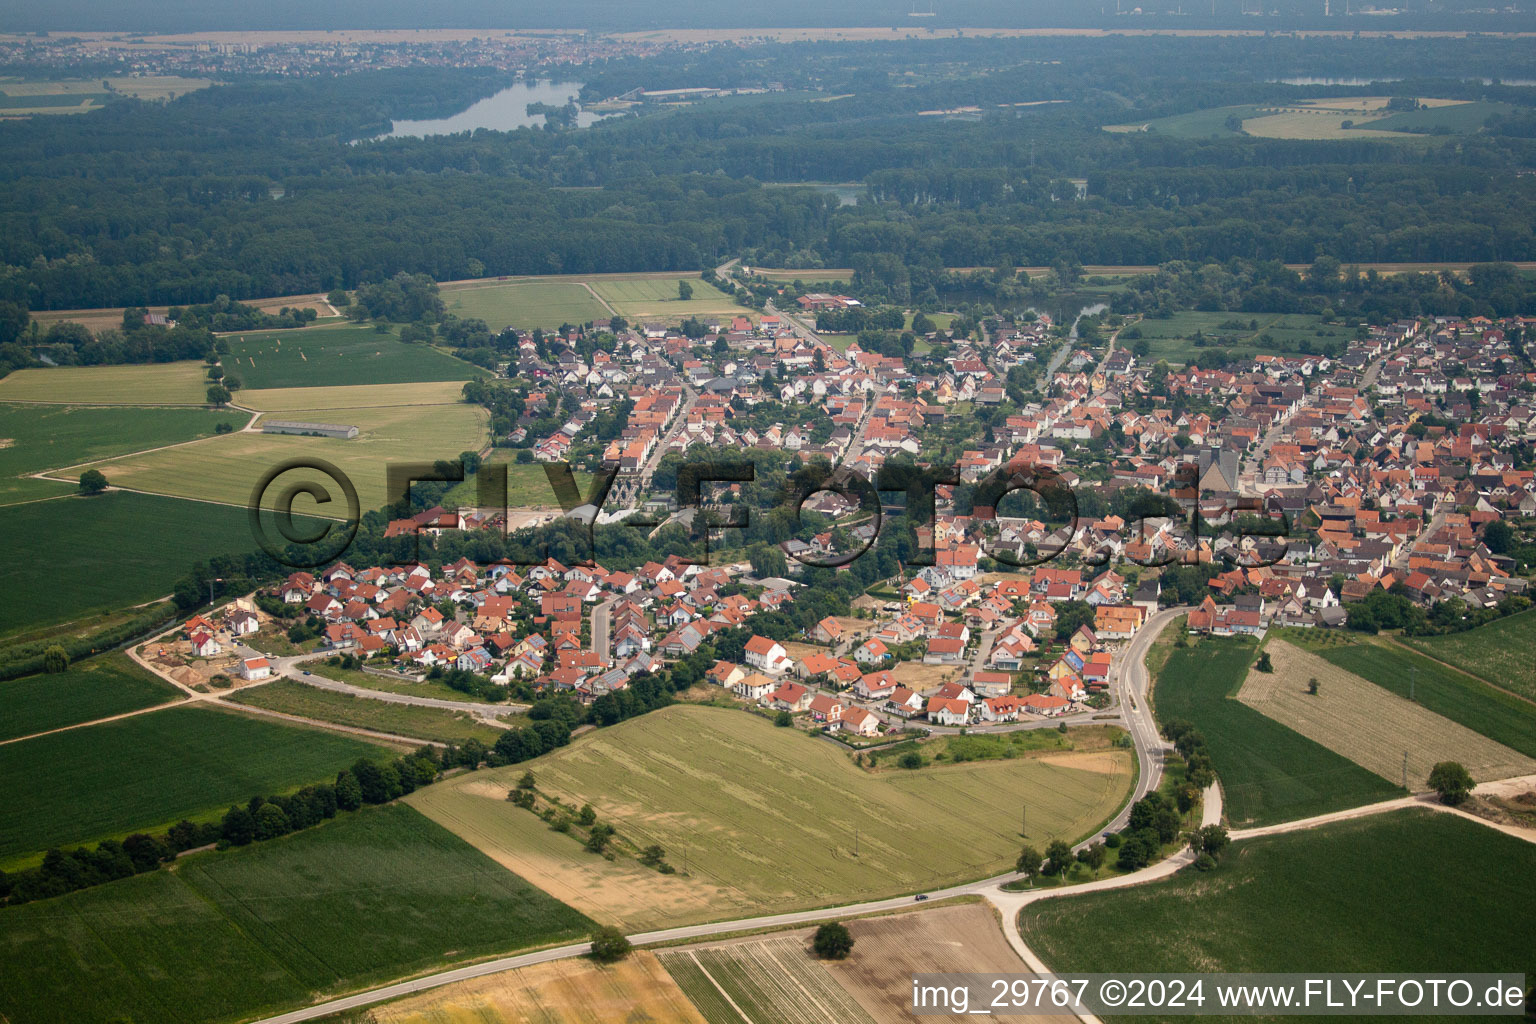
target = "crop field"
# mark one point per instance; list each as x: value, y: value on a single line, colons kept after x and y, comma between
x: 151, y: 770
x: 1502, y: 652
x: 45, y: 93
x: 183, y: 383
x: 1442, y: 118
x: 1363, y: 895
x: 38, y: 437
x: 294, y: 698
x: 103, y: 317
x: 1174, y: 338
x: 227, y: 468
x: 86, y: 555
x: 653, y: 298
x: 525, y: 304
x: 1496, y: 713
x: 340, y: 355
x: 229, y: 936
x: 771, y: 979
x: 109, y: 684
x: 572, y: 991
x: 1371, y: 726
x: 734, y: 800
x: 1269, y: 773
x: 1197, y: 124
x: 945, y: 939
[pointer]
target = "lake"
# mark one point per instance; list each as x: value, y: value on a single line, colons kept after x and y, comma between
x: 502, y: 112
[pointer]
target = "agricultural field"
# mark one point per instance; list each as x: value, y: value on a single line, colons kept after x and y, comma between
x: 104, y: 552
x: 102, y: 318
x: 732, y: 799
x: 1371, y: 726
x: 336, y: 355
x: 1335, y: 895
x: 571, y: 991
x: 1502, y: 652
x: 525, y: 304
x: 183, y: 383
x: 362, y: 899
x: 1269, y: 773
x: 772, y: 979
x: 829, y: 275
x: 1247, y: 334
x: 109, y: 684
x: 227, y: 468
x: 19, y: 96
x: 1197, y: 124
x: 149, y: 771
x: 527, y: 484
x: 38, y: 437
x: 1444, y: 117
x: 655, y: 298
x: 1497, y: 714
x: 946, y: 939
x: 294, y: 698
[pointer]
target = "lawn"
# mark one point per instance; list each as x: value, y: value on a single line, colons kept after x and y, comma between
x: 360, y: 900
x: 1369, y: 895
x: 109, y: 684
x: 735, y: 800
x: 81, y: 556
x: 1372, y: 726
x: 339, y: 355
x: 38, y: 437
x: 769, y: 979
x: 525, y: 304
x: 389, y: 684
x: 294, y: 698
x: 1503, y: 652
x: 1245, y: 334
x: 184, y: 383
x: 151, y: 770
x: 227, y: 468
x: 653, y: 298
x: 527, y: 484
x: 1486, y: 709
x: 1268, y: 772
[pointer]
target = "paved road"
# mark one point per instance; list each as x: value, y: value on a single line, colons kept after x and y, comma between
x: 291, y: 668
x: 1130, y: 682
x: 600, y: 616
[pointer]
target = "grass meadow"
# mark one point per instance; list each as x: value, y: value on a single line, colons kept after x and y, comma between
x: 1369, y: 894
x: 524, y: 304
x: 149, y: 771
x: 337, y: 355
x: 1173, y: 338
x: 106, y: 685
x: 655, y: 298
x: 1502, y: 652
x: 362, y: 899
x: 294, y: 698
x: 746, y: 799
x: 183, y: 383
x: 38, y: 437
x: 1268, y: 772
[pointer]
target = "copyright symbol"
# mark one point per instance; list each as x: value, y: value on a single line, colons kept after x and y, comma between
x: 1112, y: 993
x: 314, y: 541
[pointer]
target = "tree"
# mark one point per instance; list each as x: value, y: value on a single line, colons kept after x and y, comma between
x: 349, y: 793
x: 783, y: 719
x: 218, y: 395
x: 93, y: 481
x: 238, y: 827
x: 1263, y: 664
x: 527, y: 781
x: 599, y: 837
x: 609, y: 944
x: 271, y: 822
x: 911, y: 759
x: 1312, y: 686
x: 1029, y: 863
x: 684, y: 291
x: 833, y: 941
x: 55, y: 659
x: 1058, y: 858
x: 1499, y: 537
x: 652, y: 855
x: 1451, y: 781
x: 587, y: 816
x: 1209, y: 841
x: 1093, y: 856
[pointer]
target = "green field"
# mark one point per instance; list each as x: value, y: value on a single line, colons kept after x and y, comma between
x: 1268, y: 772
x: 525, y: 304
x: 38, y: 437
x: 748, y: 800
x: 184, y: 383
x: 1453, y: 119
x: 1502, y: 652
x: 328, y: 356
x: 109, y: 684
x: 366, y: 898
x: 1174, y: 338
x: 1197, y: 124
x: 1482, y: 708
x: 652, y: 298
x: 527, y: 484
x: 151, y: 770
x: 87, y: 555
x: 1369, y: 895
x: 294, y: 698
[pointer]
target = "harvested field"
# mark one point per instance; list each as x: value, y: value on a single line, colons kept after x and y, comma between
x: 762, y: 980
x: 181, y: 383
x: 1368, y: 724
x: 887, y: 951
x: 917, y: 676
x: 575, y: 991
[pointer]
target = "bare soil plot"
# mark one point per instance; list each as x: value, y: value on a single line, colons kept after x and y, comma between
x: 1368, y: 724
x: 762, y: 980
x: 917, y: 676
x: 574, y: 991
x: 887, y: 951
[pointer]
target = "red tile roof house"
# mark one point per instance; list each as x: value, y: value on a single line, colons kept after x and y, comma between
x: 871, y: 652
x: 825, y: 709
x: 789, y: 697
x: 255, y: 668
x: 948, y: 712
x: 827, y: 631
x: 859, y: 722
x: 944, y: 650
x: 904, y: 702
x: 767, y: 655
x: 875, y: 686
x: 1045, y: 704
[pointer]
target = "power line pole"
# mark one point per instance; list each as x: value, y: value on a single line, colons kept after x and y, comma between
x: 1023, y: 820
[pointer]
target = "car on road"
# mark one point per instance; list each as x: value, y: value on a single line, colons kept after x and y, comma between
x: 919, y: 897
x: 308, y: 672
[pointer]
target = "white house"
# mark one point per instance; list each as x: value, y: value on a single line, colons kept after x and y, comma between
x: 768, y: 656
x: 255, y: 668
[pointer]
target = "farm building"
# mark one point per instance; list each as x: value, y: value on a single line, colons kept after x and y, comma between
x: 341, y: 430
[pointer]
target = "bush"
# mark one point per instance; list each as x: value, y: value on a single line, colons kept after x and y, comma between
x: 911, y: 760
x: 833, y: 941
